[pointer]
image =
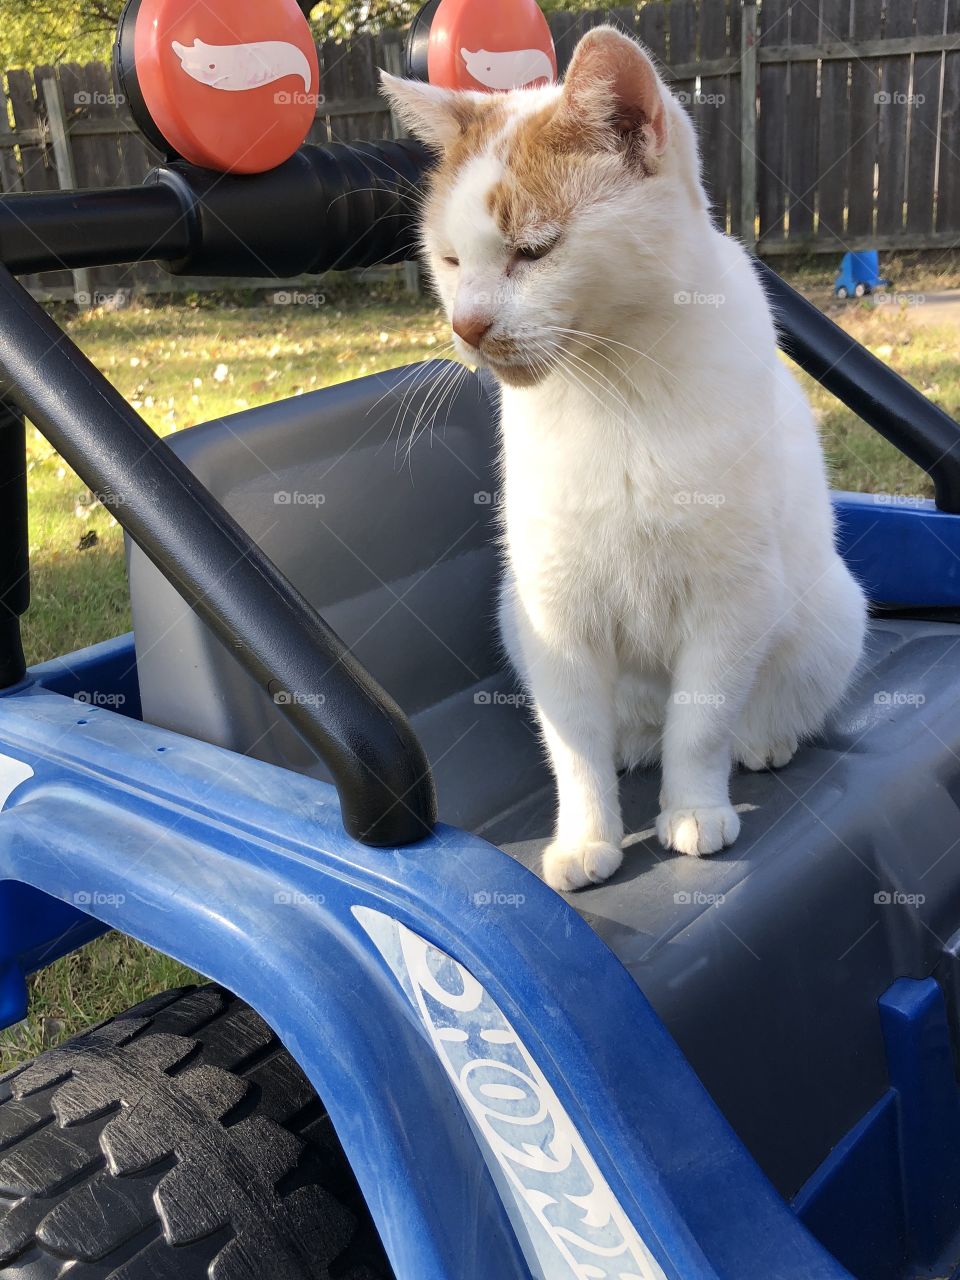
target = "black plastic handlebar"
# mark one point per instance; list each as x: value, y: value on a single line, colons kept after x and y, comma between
x: 377, y: 763
x: 326, y: 209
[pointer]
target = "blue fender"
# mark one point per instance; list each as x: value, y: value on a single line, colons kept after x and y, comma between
x: 451, y: 1010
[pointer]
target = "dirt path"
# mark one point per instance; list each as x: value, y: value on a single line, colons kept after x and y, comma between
x: 931, y: 309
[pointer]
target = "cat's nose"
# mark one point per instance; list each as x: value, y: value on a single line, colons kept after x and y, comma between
x: 472, y: 330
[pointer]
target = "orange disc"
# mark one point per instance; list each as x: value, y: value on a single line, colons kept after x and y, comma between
x: 230, y: 84
x: 490, y: 45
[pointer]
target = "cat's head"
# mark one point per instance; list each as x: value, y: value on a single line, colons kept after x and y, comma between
x: 558, y: 211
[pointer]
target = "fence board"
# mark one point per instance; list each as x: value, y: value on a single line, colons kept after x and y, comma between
x: 86, y: 95
x: 331, y: 59
x: 894, y: 123
x: 772, y: 128
x: 35, y: 172
x: 652, y: 30
x: 564, y: 28
x: 948, y: 193
x: 625, y: 19
x: 683, y: 47
x: 834, y: 113
x: 352, y: 85
x: 802, y: 136
x: 924, y: 121
x: 712, y: 100
x: 864, y: 86
x: 9, y: 168
x: 38, y: 172
x: 730, y: 118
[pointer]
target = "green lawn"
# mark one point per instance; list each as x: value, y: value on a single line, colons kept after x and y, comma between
x: 183, y: 364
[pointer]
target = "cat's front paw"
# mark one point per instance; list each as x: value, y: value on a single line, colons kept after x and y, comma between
x: 698, y: 832
x: 574, y: 866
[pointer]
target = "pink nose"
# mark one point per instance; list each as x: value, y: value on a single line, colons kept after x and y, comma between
x: 472, y: 330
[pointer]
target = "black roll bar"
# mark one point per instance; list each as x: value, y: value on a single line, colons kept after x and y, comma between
x: 14, y: 543
x: 876, y: 393
x: 378, y: 765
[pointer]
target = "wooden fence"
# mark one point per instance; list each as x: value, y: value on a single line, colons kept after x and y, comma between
x: 824, y: 124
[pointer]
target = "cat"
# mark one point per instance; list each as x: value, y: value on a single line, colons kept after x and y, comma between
x: 672, y: 591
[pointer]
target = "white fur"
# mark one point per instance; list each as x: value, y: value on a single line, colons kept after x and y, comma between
x: 671, y: 586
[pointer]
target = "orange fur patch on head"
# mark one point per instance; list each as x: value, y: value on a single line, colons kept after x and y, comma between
x: 608, y: 127
x: 480, y: 122
x: 554, y: 163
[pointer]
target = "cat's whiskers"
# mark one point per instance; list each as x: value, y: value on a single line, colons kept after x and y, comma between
x: 415, y: 378
x: 572, y: 377
x: 442, y: 391
x: 618, y: 371
x: 613, y: 342
x: 580, y: 368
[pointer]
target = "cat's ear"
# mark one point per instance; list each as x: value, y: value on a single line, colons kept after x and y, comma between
x: 437, y: 116
x: 612, y: 84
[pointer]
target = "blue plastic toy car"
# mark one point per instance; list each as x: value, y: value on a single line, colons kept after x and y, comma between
x: 415, y: 1060
x: 859, y: 275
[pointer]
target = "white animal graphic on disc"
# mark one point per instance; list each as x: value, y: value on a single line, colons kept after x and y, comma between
x: 235, y: 67
x: 510, y: 70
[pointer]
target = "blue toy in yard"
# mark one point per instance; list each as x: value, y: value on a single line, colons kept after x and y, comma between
x: 859, y: 275
x: 410, y: 1059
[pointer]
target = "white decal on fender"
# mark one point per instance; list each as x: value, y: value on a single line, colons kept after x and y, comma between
x: 569, y: 1222
x: 12, y: 773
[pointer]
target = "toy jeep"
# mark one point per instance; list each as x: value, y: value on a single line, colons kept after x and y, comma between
x: 308, y: 775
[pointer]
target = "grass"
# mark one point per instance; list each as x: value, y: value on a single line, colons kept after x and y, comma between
x: 183, y: 364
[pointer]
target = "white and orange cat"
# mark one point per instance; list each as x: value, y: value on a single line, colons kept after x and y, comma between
x: 672, y: 589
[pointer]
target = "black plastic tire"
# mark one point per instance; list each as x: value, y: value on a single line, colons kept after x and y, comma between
x: 179, y: 1141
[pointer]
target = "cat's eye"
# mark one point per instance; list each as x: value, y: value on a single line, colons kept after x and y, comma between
x: 452, y: 262
x: 534, y: 253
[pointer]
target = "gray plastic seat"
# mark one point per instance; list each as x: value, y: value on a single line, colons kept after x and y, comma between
x: 766, y: 962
